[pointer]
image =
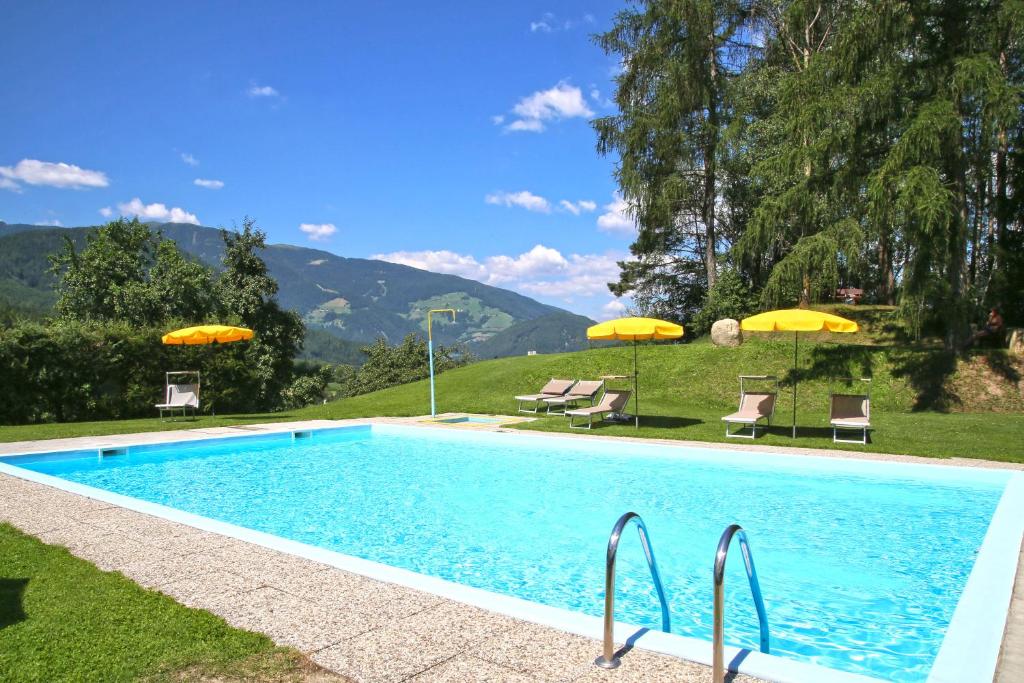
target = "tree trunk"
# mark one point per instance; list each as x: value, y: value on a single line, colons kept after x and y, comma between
x: 956, y: 315
x: 710, y: 170
x: 888, y: 289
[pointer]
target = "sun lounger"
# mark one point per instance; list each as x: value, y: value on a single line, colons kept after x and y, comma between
x: 580, y: 392
x: 850, y: 412
x: 553, y: 389
x: 613, y: 401
x: 754, y: 407
x: 180, y: 397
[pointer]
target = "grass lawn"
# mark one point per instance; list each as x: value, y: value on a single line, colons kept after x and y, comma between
x: 62, y: 619
x: 924, y: 401
x: 686, y: 389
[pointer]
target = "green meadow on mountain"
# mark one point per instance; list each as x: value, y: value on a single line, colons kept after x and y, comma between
x: 344, y: 302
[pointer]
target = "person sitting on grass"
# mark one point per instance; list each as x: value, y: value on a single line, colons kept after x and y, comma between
x: 993, y: 330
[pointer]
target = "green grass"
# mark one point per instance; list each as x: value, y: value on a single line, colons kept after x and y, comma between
x: 924, y: 401
x: 62, y: 619
x: 685, y: 390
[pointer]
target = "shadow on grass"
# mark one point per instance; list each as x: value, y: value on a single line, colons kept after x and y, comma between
x: 802, y: 432
x: 668, y: 421
x: 830, y: 362
x: 999, y: 362
x: 11, y: 594
x: 928, y: 372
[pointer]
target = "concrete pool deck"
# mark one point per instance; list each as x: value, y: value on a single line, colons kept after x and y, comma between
x: 359, y: 627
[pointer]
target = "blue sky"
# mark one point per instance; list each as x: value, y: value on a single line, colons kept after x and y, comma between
x: 450, y: 136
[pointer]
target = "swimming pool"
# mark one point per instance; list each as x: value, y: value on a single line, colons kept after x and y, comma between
x: 862, y: 564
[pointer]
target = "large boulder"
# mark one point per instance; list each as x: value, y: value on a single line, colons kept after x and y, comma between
x: 726, y: 333
x: 1015, y: 341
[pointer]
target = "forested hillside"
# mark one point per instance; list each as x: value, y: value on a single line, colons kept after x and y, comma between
x: 354, y: 300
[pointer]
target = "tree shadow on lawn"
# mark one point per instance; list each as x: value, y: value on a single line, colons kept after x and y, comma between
x: 928, y: 372
x: 11, y: 597
x: 837, y: 361
x: 999, y: 362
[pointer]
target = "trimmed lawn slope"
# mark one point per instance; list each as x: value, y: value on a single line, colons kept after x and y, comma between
x: 685, y: 389
x: 924, y: 401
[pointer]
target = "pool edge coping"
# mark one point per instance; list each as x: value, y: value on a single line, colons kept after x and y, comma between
x: 769, y: 667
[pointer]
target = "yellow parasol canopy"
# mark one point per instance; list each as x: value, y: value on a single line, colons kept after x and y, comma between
x: 634, y: 330
x: 796, y: 320
x: 207, y: 334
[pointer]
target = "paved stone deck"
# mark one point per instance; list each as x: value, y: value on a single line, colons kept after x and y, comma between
x: 361, y: 628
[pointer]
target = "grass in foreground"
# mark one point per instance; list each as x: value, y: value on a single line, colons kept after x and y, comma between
x: 62, y: 619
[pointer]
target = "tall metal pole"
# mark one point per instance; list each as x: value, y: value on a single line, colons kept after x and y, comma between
x: 430, y: 352
x: 636, y: 388
x: 796, y: 351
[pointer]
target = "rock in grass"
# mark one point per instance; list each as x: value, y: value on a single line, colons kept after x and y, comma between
x: 726, y: 333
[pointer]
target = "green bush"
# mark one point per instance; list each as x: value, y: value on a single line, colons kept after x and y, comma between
x: 731, y: 297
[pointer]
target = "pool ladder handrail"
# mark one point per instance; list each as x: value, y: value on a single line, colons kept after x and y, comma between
x: 608, y: 660
x: 718, y: 655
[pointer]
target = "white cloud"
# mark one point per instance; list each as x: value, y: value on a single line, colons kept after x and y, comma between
x: 526, y: 126
x: 189, y: 159
x: 541, y: 270
x: 523, y: 199
x: 578, y: 280
x: 262, y: 91
x: 55, y: 223
x: 613, y: 309
x: 498, y: 119
x: 550, y: 23
x: 616, y: 217
x: 563, y: 101
x: 583, y: 205
x: 155, y: 212
x: 35, y: 172
x: 106, y: 212
x: 318, y: 231
x: 208, y: 184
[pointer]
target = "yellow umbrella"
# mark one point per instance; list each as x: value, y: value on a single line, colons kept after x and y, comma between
x: 207, y: 334
x: 634, y: 330
x: 797, y: 320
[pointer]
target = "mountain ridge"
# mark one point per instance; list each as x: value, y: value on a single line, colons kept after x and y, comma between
x: 354, y: 299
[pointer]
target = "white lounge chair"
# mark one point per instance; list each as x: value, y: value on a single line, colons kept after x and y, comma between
x: 754, y: 407
x: 553, y: 389
x: 581, y: 391
x: 180, y: 396
x: 850, y: 412
x: 613, y: 401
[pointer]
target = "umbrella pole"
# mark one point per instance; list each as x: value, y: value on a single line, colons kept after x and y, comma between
x: 796, y: 351
x: 636, y: 390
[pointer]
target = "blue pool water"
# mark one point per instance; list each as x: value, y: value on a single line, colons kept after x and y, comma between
x: 860, y: 571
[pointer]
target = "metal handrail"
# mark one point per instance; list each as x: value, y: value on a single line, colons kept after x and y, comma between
x: 608, y: 660
x: 718, y: 657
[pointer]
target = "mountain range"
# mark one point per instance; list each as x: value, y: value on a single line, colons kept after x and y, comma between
x: 345, y: 302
